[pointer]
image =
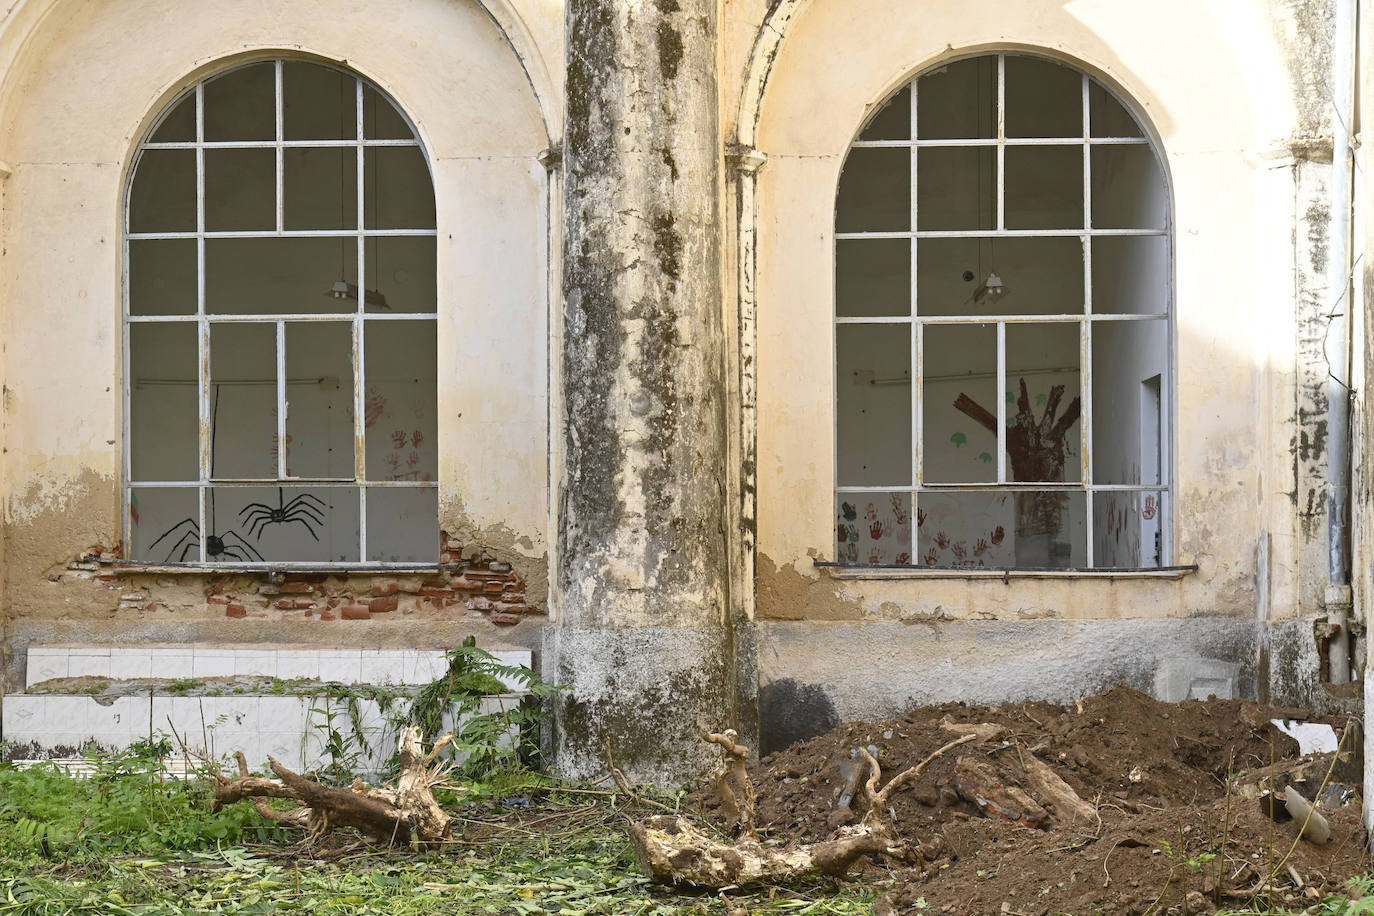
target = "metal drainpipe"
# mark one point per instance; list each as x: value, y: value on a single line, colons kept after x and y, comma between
x: 1338, y: 601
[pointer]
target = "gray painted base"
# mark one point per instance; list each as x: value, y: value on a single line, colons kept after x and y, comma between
x: 814, y: 675
x: 652, y: 692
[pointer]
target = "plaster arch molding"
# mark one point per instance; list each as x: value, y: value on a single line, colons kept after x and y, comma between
x: 81, y: 81
x: 807, y: 88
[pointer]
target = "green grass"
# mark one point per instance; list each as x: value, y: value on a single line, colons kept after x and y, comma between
x: 126, y: 842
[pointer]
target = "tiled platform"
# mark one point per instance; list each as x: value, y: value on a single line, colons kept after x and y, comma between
x: 293, y: 728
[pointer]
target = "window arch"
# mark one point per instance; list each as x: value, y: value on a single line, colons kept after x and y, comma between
x: 280, y: 309
x: 1002, y: 326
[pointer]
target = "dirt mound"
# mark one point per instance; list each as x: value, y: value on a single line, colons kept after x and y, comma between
x: 1177, y: 790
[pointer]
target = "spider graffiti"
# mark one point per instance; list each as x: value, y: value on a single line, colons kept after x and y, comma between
x: 229, y: 545
x: 306, y: 508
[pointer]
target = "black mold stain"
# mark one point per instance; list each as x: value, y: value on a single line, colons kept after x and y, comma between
x: 790, y: 712
x: 669, y: 49
x: 667, y: 245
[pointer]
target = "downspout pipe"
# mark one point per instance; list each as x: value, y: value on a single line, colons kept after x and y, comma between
x: 1338, y: 600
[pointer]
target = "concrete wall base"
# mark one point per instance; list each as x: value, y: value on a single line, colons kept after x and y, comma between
x: 652, y: 692
x: 813, y: 676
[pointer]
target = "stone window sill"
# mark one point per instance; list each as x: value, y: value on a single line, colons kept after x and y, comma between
x: 846, y: 571
x: 335, y: 569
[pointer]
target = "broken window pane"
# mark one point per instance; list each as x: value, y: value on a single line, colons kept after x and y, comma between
x: 243, y: 401
x: 179, y: 124
x: 319, y: 396
x: 163, y: 195
x: 875, y: 191
x: 162, y: 276
x: 873, y: 394
x: 241, y: 104
x: 1039, y: 276
x: 320, y: 188
x: 1130, y: 359
x: 1043, y: 429
x: 398, y: 193
x: 318, y: 103
x: 403, y: 524
x: 1044, y: 187
x: 402, y: 274
x: 1109, y: 118
x: 381, y: 120
x: 164, y: 401
x: 892, y: 121
x: 1128, y: 188
x: 270, y: 276
x: 959, y: 404
x: 290, y: 523
x: 873, y: 529
x: 402, y: 381
x: 1128, y: 529
x: 240, y: 189
x: 873, y: 277
x: 1043, y: 98
x: 164, y: 524
x: 1131, y: 274
x: 956, y: 188
x: 958, y: 101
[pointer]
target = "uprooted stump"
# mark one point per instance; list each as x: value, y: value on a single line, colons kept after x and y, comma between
x: 400, y: 815
x: 672, y: 850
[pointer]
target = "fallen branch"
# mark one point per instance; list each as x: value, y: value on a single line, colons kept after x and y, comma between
x: 405, y: 814
x: 672, y: 850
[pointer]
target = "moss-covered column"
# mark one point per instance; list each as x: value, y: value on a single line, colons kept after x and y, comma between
x: 640, y: 591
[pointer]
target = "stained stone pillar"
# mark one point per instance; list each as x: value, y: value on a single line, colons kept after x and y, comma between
x: 641, y: 633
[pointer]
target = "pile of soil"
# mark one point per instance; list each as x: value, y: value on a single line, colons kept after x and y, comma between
x: 1182, y: 821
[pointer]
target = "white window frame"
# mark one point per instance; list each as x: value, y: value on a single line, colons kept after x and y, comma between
x: 205, y: 321
x: 1085, y: 321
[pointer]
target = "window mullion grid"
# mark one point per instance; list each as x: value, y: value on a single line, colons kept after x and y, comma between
x: 917, y: 332
x: 282, y: 404
x: 1001, y: 402
x: 359, y: 376
x: 1001, y: 144
x: 203, y: 326
x: 281, y: 197
x: 1085, y: 342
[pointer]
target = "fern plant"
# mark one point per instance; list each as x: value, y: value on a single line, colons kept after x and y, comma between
x: 506, y: 738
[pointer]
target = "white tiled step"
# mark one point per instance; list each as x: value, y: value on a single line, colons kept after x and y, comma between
x: 349, y: 666
x: 293, y: 729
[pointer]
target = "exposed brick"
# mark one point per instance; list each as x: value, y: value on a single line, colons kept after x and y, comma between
x: 382, y: 589
x: 505, y: 619
x: 297, y: 588
x: 480, y: 604
x: 435, y: 592
x: 483, y: 575
x: 494, y: 588
x: 355, y: 612
x: 514, y: 595
x: 286, y: 604
x: 302, y: 604
x: 219, y: 599
x: 512, y: 608
x: 235, y: 610
x: 383, y: 605
x: 497, y: 566
x: 459, y: 583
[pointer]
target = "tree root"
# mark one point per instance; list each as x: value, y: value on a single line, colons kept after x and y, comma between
x: 672, y: 850
x: 400, y: 815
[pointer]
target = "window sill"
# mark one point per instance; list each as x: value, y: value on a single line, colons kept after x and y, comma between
x: 337, y: 569
x: 845, y: 571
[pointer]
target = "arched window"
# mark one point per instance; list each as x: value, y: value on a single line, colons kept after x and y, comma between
x: 1002, y: 326
x: 280, y: 302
